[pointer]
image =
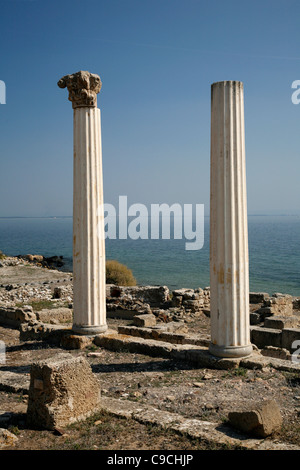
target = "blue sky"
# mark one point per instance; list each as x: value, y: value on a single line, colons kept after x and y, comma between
x: 157, y: 60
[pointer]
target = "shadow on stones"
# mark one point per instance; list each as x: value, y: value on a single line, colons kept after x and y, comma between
x: 228, y: 431
x: 155, y: 366
x: 24, y: 369
x: 34, y: 345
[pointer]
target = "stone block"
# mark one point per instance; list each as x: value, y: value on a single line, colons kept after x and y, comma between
x: 289, y: 335
x: 177, y: 301
x: 262, y: 420
x: 258, y: 297
x: 155, y: 296
x: 146, y: 321
x: 277, y: 353
x: 59, y: 315
x: 280, y: 304
x: 37, y: 331
x: 186, y: 293
x: 120, y: 342
x: 255, y: 318
x: 57, y: 293
x: 69, y: 341
x: 173, y: 327
x: 296, y: 304
x: 278, y: 323
x: 62, y: 390
x: 264, y: 312
x: 262, y: 337
x: 14, y: 316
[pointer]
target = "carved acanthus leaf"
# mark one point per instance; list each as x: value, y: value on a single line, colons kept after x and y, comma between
x: 83, y: 88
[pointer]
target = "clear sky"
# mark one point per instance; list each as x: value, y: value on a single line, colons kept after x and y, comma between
x: 157, y: 60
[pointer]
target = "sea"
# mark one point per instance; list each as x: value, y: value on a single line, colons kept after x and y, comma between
x: 274, y: 252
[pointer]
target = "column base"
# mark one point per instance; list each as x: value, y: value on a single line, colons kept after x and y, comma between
x: 89, y: 329
x: 230, y: 351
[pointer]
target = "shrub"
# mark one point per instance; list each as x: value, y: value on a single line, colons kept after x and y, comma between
x: 2, y: 255
x: 119, y: 274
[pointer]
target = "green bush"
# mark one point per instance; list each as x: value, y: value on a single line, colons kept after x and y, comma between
x: 2, y: 255
x: 119, y: 274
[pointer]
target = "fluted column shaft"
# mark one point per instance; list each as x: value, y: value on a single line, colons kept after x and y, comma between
x: 88, y: 244
x: 89, y: 280
x: 229, y: 265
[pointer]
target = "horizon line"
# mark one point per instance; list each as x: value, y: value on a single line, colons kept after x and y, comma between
x: 71, y: 216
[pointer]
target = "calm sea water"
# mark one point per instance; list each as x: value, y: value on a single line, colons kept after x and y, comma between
x: 274, y: 251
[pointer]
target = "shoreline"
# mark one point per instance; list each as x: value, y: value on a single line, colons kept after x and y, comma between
x: 48, y: 270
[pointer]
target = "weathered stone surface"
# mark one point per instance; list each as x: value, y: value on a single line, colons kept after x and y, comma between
x: 258, y: 297
x: 185, y: 293
x: 262, y: 420
x: 15, y: 382
x: 279, y: 304
x: 264, y: 312
x: 202, y: 358
x: 229, y: 261
x: 255, y: 318
x: 89, y: 302
x: 7, y: 439
x: 38, y: 331
x: 59, y: 315
x: 296, y: 304
x: 279, y: 353
x: 194, y: 428
x: 62, y: 390
x: 69, y: 341
x: 289, y: 335
x: 153, y: 295
x: 13, y: 316
x: 173, y: 327
x: 57, y: 293
x: 192, y: 301
x: 116, y: 342
x: 83, y: 88
x: 163, y: 333
x: 146, y: 321
x: 278, y: 323
x: 265, y: 337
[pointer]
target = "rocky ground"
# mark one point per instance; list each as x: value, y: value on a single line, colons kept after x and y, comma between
x: 174, y: 386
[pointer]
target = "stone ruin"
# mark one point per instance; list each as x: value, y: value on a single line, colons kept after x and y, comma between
x: 63, y: 389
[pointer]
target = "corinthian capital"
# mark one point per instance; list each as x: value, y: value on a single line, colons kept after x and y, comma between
x: 83, y: 88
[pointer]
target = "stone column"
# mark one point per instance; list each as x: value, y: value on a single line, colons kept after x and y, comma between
x: 88, y: 216
x: 229, y: 265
